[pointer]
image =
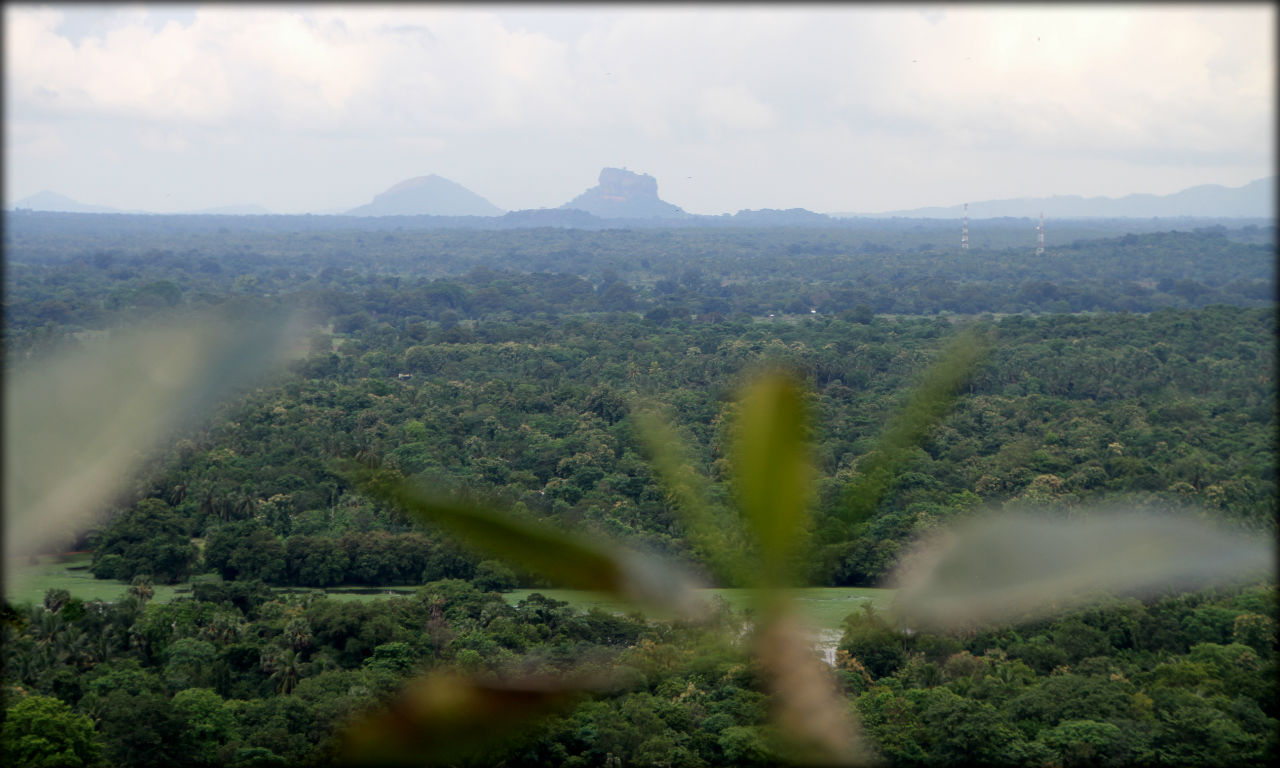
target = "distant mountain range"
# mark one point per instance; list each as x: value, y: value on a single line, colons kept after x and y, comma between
x: 1253, y: 200
x: 52, y: 201
x: 626, y: 198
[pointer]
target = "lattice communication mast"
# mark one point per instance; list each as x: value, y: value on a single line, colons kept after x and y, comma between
x: 1040, y: 236
x: 964, y: 230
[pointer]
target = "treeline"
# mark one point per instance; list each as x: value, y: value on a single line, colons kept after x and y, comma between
x: 149, y: 540
x: 1184, y: 680
x: 239, y: 676
x: 249, y: 550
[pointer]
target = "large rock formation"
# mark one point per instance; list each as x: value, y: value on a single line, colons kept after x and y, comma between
x: 623, y: 194
x: 428, y: 196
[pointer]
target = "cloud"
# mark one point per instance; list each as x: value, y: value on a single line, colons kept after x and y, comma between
x: 1075, y: 76
x: 330, y: 69
x: 700, y: 90
x: 1133, y: 79
x: 735, y: 107
x: 131, y: 70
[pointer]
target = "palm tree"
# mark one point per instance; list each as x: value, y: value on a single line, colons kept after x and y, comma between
x: 225, y: 628
x: 76, y: 648
x: 54, y: 599
x: 23, y: 662
x: 284, y: 667
x: 297, y: 633
x: 45, y: 627
x: 142, y: 589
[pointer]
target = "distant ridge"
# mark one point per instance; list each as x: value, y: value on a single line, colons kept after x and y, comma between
x: 56, y: 203
x: 1253, y: 200
x: 778, y: 218
x: 427, y: 196
x: 52, y: 201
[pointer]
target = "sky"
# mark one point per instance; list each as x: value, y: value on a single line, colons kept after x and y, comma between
x: 833, y: 108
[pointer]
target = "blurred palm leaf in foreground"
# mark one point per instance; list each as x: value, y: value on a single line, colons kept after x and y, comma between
x: 761, y: 548
x: 1006, y: 567
x: 773, y: 479
x: 78, y: 425
x: 994, y: 569
x: 447, y: 719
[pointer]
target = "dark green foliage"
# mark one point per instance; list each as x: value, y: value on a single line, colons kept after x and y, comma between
x: 877, y: 645
x: 245, y: 550
x: 1066, y: 411
x: 494, y: 576
x: 148, y: 539
x: 141, y: 730
x: 43, y: 732
x: 245, y: 595
x: 203, y: 685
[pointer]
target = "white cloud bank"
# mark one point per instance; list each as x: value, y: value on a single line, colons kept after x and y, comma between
x: 830, y: 108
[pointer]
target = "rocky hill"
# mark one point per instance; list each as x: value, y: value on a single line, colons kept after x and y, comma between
x: 623, y: 194
x: 430, y: 196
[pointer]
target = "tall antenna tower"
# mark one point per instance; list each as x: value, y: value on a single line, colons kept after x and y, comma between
x: 1040, y: 236
x: 964, y: 230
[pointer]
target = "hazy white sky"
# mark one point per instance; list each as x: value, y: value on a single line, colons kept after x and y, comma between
x: 831, y: 108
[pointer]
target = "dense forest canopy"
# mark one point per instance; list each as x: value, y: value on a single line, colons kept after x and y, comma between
x: 507, y: 366
x: 80, y: 281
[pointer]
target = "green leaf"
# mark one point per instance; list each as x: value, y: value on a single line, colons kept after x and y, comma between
x: 80, y: 423
x: 772, y: 471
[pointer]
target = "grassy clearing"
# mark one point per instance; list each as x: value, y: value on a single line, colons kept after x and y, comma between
x: 826, y: 607
x: 71, y: 572
x: 349, y: 594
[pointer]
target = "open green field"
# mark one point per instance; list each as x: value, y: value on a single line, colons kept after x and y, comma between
x: 349, y: 593
x: 826, y: 607
x: 71, y: 572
